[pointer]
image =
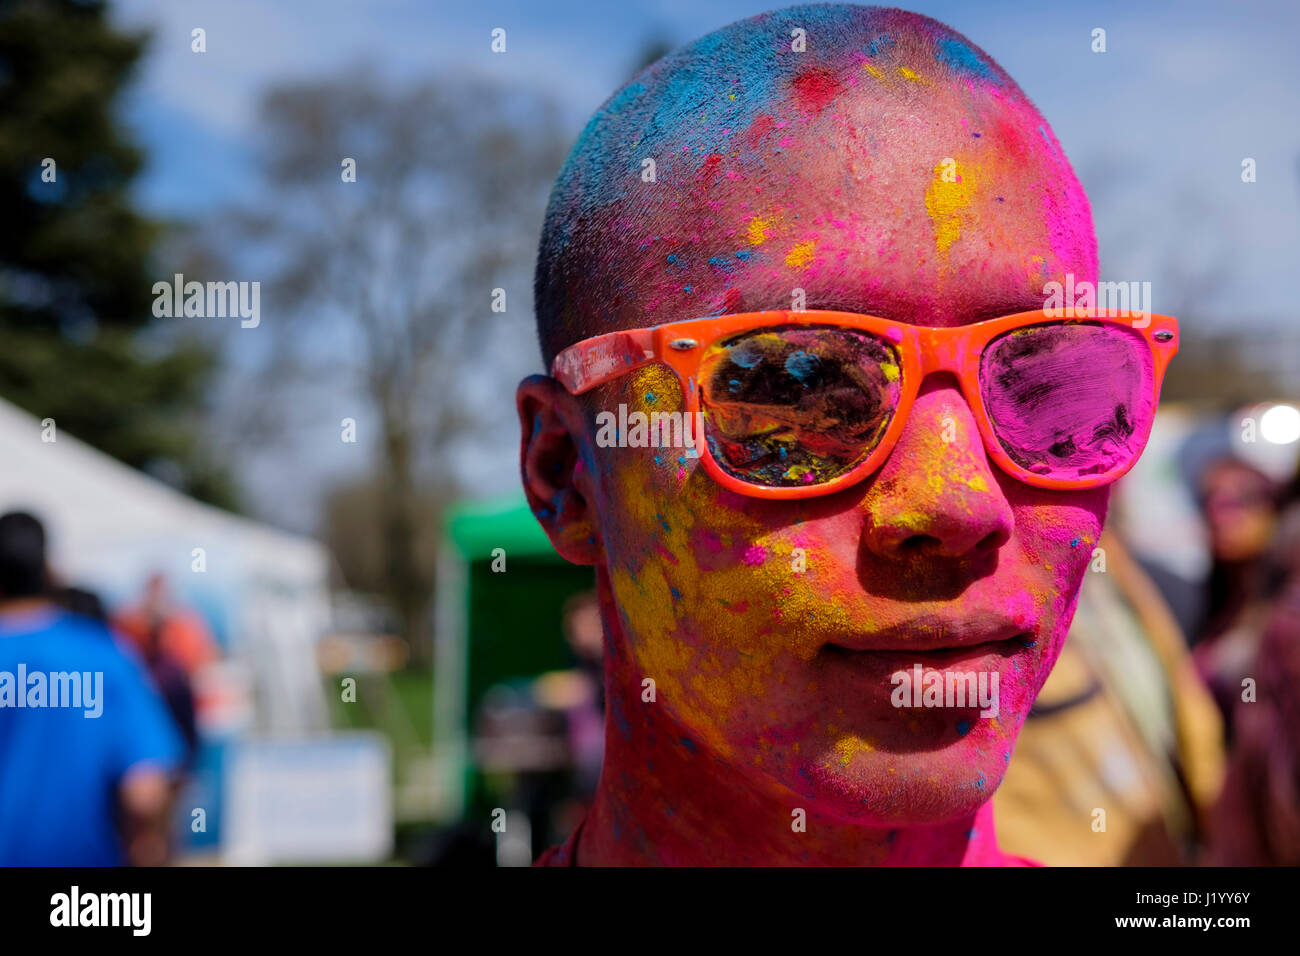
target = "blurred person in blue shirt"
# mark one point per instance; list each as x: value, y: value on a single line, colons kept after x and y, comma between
x: 87, y: 748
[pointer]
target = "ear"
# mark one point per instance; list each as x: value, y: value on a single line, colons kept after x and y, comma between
x: 559, y: 484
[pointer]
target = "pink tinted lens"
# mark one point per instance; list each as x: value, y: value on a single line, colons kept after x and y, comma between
x: 1069, y: 400
x: 797, y: 405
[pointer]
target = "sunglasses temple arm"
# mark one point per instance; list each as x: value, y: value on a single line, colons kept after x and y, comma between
x: 595, y: 361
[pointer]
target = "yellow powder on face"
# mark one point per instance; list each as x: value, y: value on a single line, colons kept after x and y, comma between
x: 846, y: 748
x: 873, y: 71
x: 654, y: 389
x: 907, y: 74
x: 800, y: 254
x: 948, y: 195
x: 915, y: 521
x: 977, y: 483
x: 890, y: 371
x: 758, y: 227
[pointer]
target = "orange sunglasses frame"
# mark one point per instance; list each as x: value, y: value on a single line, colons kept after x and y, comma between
x: 922, y: 351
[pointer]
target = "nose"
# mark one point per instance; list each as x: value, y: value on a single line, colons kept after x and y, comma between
x: 936, y: 495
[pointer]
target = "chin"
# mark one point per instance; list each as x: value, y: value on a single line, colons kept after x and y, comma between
x: 916, y: 788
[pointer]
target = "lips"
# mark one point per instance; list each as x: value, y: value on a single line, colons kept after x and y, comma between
x: 988, y: 656
x: 933, y: 634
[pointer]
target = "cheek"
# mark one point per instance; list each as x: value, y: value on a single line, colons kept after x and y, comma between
x: 701, y: 582
x: 1059, y: 532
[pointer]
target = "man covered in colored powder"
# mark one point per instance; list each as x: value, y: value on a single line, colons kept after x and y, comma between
x: 867, y: 161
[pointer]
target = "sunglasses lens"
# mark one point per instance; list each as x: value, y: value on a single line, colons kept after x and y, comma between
x: 797, y: 405
x: 1069, y: 401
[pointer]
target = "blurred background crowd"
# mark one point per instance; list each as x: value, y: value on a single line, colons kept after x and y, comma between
x: 306, y: 539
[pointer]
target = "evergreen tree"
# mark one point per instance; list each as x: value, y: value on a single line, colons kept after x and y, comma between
x: 76, y: 259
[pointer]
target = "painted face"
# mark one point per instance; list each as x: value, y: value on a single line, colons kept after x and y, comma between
x: 921, y: 190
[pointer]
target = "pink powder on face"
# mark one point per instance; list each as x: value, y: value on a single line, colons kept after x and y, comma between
x: 754, y: 555
x: 710, y: 540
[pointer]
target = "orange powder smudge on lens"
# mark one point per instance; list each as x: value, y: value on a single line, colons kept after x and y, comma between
x: 800, y: 254
x: 947, y: 196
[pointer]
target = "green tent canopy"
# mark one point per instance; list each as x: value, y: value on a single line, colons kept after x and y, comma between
x: 492, y: 626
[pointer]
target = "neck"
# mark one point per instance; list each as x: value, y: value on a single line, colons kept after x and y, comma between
x: 664, y: 800
x: 24, y: 605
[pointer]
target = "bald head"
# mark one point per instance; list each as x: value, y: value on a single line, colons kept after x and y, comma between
x: 837, y: 156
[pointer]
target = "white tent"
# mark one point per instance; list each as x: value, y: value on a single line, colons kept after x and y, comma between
x: 110, y: 527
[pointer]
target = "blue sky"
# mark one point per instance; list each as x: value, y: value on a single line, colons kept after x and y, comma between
x: 1156, y: 127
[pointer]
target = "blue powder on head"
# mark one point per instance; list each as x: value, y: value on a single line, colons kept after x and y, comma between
x: 960, y: 58
x: 963, y: 727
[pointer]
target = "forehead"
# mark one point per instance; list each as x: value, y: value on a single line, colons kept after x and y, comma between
x: 937, y: 219
x: 898, y: 185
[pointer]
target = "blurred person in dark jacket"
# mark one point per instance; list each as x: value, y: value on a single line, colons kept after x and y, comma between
x: 1257, y: 823
x: 1240, y: 507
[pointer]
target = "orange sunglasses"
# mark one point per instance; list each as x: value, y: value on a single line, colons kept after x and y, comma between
x: 796, y: 404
